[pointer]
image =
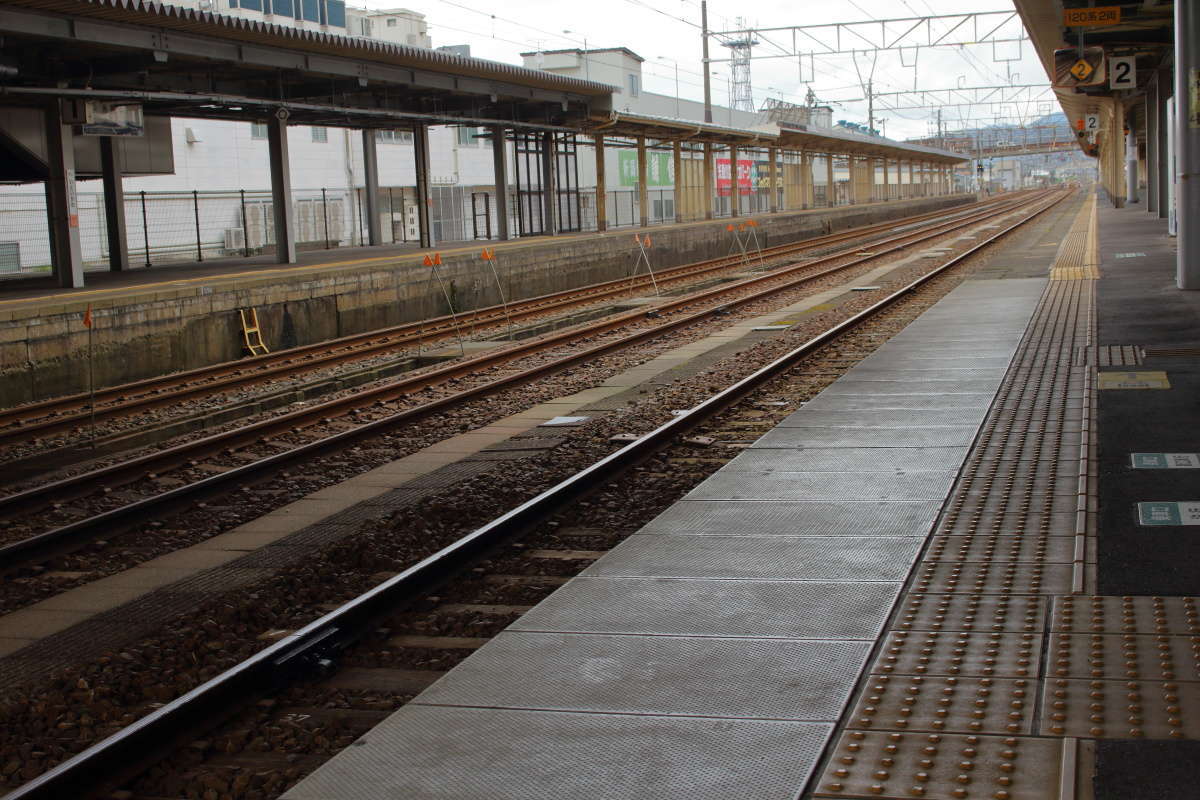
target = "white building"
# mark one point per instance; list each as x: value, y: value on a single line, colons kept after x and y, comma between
x: 216, y: 202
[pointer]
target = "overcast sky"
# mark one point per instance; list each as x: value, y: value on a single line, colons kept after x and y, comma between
x: 667, y: 31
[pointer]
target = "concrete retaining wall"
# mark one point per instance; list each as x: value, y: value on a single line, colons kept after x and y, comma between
x: 153, y: 330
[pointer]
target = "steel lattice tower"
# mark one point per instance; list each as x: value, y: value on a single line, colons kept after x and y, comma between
x: 741, y: 92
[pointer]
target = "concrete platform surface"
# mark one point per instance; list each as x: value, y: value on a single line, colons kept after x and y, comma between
x: 711, y: 655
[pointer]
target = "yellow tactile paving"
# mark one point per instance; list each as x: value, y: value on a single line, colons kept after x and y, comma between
x: 1078, y: 256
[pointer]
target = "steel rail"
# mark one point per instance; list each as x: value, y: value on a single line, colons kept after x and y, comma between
x: 162, y: 460
x: 150, y: 393
x: 77, y: 533
x: 314, y: 646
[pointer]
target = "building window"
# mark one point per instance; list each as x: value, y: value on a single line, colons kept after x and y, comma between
x: 310, y: 10
x: 394, y: 137
x: 336, y: 13
x: 634, y: 86
x: 391, y: 23
x: 233, y: 3
x: 467, y: 136
x: 320, y: 134
x: 258, y: 130
x: 254, y: 5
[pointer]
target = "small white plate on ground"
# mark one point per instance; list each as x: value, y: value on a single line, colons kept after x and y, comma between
x: 563, y: 421
x: 624, y: 437
x: 771, y: 328
x: 864, y: 288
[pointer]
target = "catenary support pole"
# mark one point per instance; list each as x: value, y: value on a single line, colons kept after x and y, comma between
x: 62, y: 203
x: 114, y: 205
x: 281, y: 189
x: 1187, y: 142
x: 500, y: 172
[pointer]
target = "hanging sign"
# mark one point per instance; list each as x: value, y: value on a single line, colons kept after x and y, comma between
x: 1091, y: 17
x: 1122, y: 72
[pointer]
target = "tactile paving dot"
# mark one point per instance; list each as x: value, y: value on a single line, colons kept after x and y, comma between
x: 959, y: 653
x: 965, y: 705
x: 995, y: 577
x: 934, y: 765
x: 1121, y: 709
x: 1125, y: 656
x: 1178, y: 616
x: 985, y: 547
x: 972, y: 612
x: 997, y: 502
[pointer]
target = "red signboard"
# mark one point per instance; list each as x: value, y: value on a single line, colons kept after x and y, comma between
x: 745, y: 177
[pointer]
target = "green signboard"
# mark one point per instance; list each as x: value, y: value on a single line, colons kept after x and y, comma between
x: 660, y: 168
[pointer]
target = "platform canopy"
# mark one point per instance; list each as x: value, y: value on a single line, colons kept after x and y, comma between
x: 1144, y: 31
x: 769, y: 134
x: 185, y: 62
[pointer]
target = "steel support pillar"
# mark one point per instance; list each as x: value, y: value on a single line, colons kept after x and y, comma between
x: 1163, y: 80
x: 912, y: 189
x: 1131, y: 167
x: 708, y: 180
x: 281, y: 190
x: 371, y: 187
x: 830, y: 186
x: 643, y: 189
x: 62, y: 202
x: 114, y: 205
x: 500, y: 173
x: 601, y: 186
x: 734, y: 185
x: 773, y: 178
x: 887, y: 185
x: 1187, y: 142
x: 549, y: 185
x: 1152, y: 155
x: 677, y: 161
x: 424, y: 196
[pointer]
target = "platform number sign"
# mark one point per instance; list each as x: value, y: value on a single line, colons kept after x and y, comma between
x: 1091, y: 124
x: 1122, y: 73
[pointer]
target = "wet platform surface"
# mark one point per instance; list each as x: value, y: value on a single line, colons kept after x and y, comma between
x: 718, y: 647
x: 930, y: 582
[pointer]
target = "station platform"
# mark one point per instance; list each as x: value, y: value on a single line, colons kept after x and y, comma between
x: 934, y: 580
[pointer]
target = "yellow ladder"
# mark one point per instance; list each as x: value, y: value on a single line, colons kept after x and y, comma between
x: 251, y: 335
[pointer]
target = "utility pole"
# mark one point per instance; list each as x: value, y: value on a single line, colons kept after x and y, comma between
x: 707, y: 79
x: 941, y: 139
x: 870, y: 108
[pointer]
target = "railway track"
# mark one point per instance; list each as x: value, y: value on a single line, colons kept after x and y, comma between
x: 407, y: 601
x: 305, y: 434
x: 37, y: 420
